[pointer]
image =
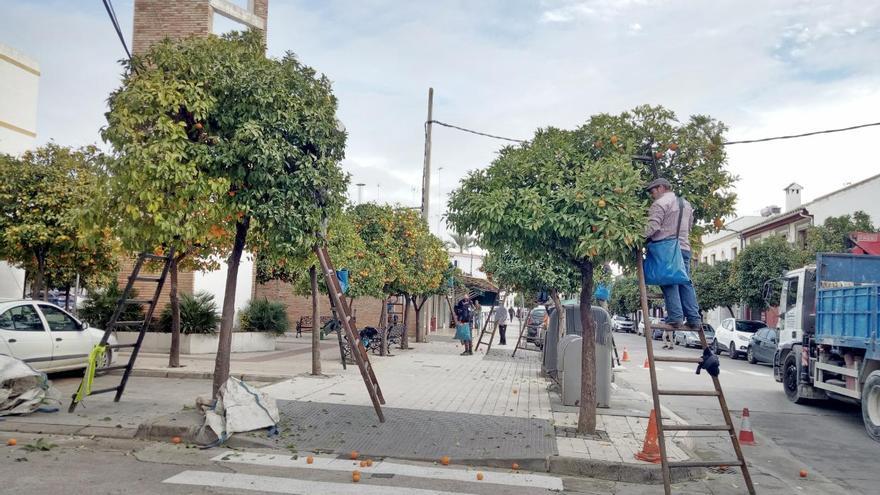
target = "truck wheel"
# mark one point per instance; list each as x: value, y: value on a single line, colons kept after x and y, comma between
x: 790, y: 380
x: 751, y: 356
x: 871, y: 405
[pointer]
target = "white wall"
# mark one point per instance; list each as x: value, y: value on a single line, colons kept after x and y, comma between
x: 11, y: 281
x: 863, y: 196
x: 468, y: 263
x: 215, y: 283
x: 19, y: 85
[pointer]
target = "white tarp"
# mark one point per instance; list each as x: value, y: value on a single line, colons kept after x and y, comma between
x: 240, y: 407
x: 23, y: 390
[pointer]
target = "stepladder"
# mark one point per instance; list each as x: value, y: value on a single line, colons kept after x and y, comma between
x: 343, y: 313
x: 656, y: 393
x: 522, y: 342
x: 488, y: 329
x: 100, y: 359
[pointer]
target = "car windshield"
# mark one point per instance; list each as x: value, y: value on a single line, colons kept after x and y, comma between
x: 749, y: 326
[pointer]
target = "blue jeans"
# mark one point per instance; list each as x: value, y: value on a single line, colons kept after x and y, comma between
x: 681, y: 300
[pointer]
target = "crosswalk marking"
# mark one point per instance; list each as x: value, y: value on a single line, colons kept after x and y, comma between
x: 292, y: 486
x: 753, y: 373
x: 385, y: 467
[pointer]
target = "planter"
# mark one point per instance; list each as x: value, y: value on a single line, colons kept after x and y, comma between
x: 200, y: 343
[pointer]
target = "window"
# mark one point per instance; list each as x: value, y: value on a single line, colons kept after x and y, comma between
x: 749, y: 326
x: 713, y: 259
x: 791, y: 293
x: 59, y: 321
x: 705, y: 260
x: 762, y: 333
x: 733, y: 253
x: 22, y: 319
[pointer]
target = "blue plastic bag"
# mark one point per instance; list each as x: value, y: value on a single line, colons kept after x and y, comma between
x: 602, y: 293
x: 342, y: 276
x: 664, y: 264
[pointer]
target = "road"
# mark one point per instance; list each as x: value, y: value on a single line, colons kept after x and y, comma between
x: 826, y: 438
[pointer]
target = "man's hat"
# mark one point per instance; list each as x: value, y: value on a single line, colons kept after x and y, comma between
x: 658, y: 182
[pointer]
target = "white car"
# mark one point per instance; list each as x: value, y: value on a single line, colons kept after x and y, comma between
x: 734, y: 335
x: 641, y: 327
x: 47, y: 337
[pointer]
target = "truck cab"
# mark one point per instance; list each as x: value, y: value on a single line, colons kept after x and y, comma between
x: 797, y: 304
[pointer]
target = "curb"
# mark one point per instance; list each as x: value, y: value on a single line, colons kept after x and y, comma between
x: 202, y: 375
x: 62, y: 429
x: 646, y: 474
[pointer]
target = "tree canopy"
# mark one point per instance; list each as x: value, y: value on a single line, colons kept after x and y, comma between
x: 714, y: 285
x: 833, y: 235
x: 761, y: 262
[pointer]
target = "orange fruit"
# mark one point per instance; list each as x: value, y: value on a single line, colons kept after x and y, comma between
x: 198, y: 125
x: 363, y: 464
x: 369, y: 463
x: 718, y: 222
x: 354, y: 455
x: 614, y: 139
x: 658, y: 155
x: 673, y: 147
x: 803, y: 473
x: 355, y: 476
x: 231, y: 193
x: 310, y: 460
x: 12, y: 442
x: 175, y: 440
x: 479, y: 476
x: 515, y: 466
x: 594, y: 228
x: 601, y: 203
x: 444, y: 460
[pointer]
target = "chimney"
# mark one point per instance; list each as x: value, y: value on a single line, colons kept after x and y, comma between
x: 793, y: 196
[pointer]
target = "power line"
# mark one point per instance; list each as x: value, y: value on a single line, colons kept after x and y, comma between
x: 793, y: 136
x: 109, y: 6
x: 493, y: 136
x: 726, y: 143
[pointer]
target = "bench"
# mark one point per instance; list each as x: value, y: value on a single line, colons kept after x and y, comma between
x: 305, y: 323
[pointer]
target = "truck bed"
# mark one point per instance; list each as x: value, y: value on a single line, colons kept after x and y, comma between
x: 848, y: 316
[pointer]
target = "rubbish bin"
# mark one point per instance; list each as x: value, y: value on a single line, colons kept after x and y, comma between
x: 570, y: 366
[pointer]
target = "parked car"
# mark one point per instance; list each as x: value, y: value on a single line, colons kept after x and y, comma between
x: 733, y: 336
x: 762, y: 346
x: 690, y: 338
x: 641, y: 326
x: 47, y: 337
x: 622, y: 324
x: 535, y: 324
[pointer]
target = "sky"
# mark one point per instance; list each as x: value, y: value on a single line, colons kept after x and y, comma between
x: 508, y: 67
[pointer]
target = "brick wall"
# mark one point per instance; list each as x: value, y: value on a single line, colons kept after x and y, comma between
x: 155, y: 20
x: 366, y: 309
x: 146, y: 289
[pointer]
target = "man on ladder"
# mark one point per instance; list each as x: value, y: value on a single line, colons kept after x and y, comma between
x: 671, y: 216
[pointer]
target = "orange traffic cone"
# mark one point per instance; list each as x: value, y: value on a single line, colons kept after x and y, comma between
x: 646, y: 365
x: 625, y: 357
x: 651, y: 448
x: 746, y: 437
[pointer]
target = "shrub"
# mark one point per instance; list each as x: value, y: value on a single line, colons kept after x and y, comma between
x: 198, y: 314
x: 101, y: 304
x: 261, y: 315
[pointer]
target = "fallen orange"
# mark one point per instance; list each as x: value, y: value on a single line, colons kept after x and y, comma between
x: 12, y: 442
x: 356, y: 476
x: 515, y: 466
x: 479, y: 476
x: 803, y: 473
x: 310, y: 460
x: 444, y: 460
x: 175, y: 440
x: 354, y: 455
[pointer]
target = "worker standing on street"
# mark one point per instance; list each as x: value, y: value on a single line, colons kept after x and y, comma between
x: 663, y: 221
x: 501, y: 320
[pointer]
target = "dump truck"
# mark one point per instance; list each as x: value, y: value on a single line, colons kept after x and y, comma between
x: 829, y: 333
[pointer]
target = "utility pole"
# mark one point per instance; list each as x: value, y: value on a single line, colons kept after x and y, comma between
x: 426, y: 173
x: 360, y: 186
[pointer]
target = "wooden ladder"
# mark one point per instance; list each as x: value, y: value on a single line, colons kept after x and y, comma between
x: 522, y: 343
x: 358, y: 352
x: 656, y: 393
x: 114, y: 323
x: 489, y: 317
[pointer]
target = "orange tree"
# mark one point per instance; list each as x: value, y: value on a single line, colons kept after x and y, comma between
x: 266, y: 145
x: 576, y: 197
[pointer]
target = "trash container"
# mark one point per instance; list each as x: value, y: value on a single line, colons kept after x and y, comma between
x: 570, y: 369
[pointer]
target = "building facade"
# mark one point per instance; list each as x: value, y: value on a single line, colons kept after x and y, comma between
x: 19, y: 90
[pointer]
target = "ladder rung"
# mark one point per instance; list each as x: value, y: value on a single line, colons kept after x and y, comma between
x: 694, y: 464
x: 674, y: 359
x: 148, y: 278
x: 138, y: 301
x: 696, y: 428
x: 112, y: 368
x: 121, y: 346
x: 129, y: 323
x: 104, y: 390
x: 697, y: 393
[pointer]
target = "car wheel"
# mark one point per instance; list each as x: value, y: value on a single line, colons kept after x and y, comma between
x: 731, y: 350
x: 871, y: 405
x: 751, y: 356
x: 715, y: 348
x: 790, y: 380
x: 106, y: 360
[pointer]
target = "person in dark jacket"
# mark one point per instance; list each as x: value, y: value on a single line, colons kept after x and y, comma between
x: 463, y: 316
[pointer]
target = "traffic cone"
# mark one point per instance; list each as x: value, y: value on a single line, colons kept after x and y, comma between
x: 625, y: 357
x: 646, y: 365
x: 746, y: 437
x: 651, y: 448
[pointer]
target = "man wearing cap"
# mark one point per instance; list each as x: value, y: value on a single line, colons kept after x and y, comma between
x: 681, y: 300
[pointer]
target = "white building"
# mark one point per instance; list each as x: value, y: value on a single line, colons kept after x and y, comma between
x: 19, y: 85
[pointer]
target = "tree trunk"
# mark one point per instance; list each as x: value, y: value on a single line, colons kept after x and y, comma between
x: 67, y: 298
x: 174, y: 353
x: 557, y: 303
x: 24, y: 283
x: 404, y: 339
x: 38, y: 278
x: 383, y: 328
x: 730, y: 309
x: 587, y: 410
x: 316, y: 329
x: 421, y: 330
x: 221, y: 365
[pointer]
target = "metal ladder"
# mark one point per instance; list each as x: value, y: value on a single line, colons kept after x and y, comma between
x: 358, y: 352
x: 523, y: 328
x: 656, y: 393
x: 115, y: 323
x: 483, y: 332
